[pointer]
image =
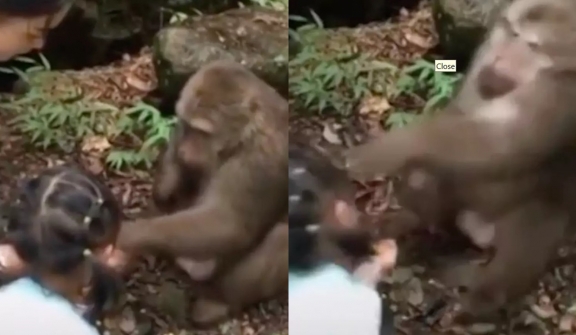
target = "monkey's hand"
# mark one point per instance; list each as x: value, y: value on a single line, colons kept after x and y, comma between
x: 385, y: 154
x: 120, y: 261
x: 129, y: 238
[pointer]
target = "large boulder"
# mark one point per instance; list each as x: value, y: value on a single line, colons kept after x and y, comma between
x: 253, y: 36
x: 461, y: 25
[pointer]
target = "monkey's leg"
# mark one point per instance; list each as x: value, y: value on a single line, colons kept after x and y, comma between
x: 209, y: 312
x: 525, y: 240
x: 426, y: 193
x: 197, y: 270
x: 480, y: 232
x: 261, y: 275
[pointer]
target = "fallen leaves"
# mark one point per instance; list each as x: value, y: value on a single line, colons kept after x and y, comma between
x: 95, y: 144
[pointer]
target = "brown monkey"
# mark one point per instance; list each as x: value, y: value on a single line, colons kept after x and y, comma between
x: 223, y: 182
x: 507, y: 150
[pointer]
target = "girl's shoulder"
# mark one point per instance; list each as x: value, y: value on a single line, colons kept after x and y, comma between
x: 331, y: 301
x: 26, y: 307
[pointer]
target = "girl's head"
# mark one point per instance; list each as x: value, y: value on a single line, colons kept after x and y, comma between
x: 63, y: 227
x: 321, y: 209
x: 24, y: 24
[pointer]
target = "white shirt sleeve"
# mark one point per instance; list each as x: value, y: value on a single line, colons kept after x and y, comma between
x: 28, y: 314
x: 349, y: 308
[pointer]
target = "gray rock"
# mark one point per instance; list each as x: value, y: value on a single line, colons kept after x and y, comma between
x: 253, y: 36
x: 461, y: 25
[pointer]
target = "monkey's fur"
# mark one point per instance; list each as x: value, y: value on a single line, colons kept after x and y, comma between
x: 509, y: 155
x: 223, y: 183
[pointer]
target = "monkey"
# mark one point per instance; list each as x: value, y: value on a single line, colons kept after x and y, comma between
x: 261, y: 274
x: 328, y: 241
x: 221, y: 186
x: 507, y: 149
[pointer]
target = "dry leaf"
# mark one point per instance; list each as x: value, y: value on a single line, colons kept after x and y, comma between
x: 416, y: 293
x: 567, y: 323
x: 374, y: 105
x: 93, y: 163
x: 544, y: 311
x: 128, y: 322
x: 138, y: 83
x: 417, y: 40
x: 95, y: 144
x: 330, y: 134
x: 482, y: 328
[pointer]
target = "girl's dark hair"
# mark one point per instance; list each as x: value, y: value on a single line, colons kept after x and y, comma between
x: 31, y: 8
x: 312, y: 180
x: 60, y: 217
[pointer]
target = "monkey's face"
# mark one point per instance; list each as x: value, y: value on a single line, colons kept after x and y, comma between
x: 529, y: 36
x: 194, y: 147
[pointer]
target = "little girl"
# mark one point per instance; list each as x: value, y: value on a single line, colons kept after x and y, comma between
x: 59, y: 241
x: 333, y: 265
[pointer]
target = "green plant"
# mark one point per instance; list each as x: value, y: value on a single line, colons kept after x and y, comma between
x: 65, y: 120
x: 177, y: 17
x: 422, y: 79
x: 274, y: 4
x: 33, y: 66
x: 141, y: 129
x: 141, y: 122
x: 329, y: 83
x: 400, y: 119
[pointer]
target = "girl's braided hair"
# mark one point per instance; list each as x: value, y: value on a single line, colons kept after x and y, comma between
x: 59, y: 218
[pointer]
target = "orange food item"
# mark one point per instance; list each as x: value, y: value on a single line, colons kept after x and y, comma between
x: 386, y: 253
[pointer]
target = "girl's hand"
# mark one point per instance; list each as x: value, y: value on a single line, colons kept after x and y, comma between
x: 370, y: 272
x: 10, y: 262
x: 386, y: 254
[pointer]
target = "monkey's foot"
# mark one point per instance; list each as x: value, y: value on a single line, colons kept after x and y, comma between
x: 206, y: 312
x: 460, y: 273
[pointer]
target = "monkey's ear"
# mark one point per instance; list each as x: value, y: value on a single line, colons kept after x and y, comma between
x: 345, y: 214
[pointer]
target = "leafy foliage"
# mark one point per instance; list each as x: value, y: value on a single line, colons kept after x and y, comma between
x: 329, y: 83
x: 33, y: 66
x: 63, y: 123
x: 274, y: 4
x: 421, y: 81
x: 436, y: 87
x: 321, y: 82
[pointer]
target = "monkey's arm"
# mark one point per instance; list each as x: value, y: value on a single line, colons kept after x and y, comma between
x: 202, y: 232
x: 463, y: 144
x: 166, y: 179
